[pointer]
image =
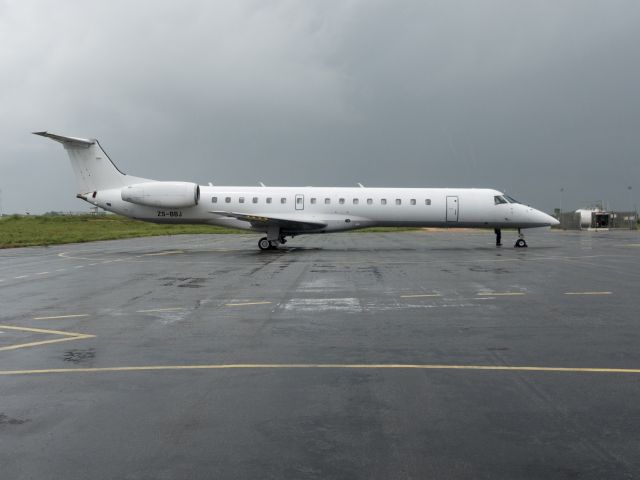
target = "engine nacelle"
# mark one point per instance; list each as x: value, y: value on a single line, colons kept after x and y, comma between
x: 162, y: 194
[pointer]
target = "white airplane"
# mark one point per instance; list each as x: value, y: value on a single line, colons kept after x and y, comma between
x: 281, y: 212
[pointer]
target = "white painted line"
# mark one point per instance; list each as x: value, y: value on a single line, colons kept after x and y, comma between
x: 501, y: 294
x: 588, y: 293
x: 79, y: 266
x: 421, y: 295
x: 161, y: 310
x: 60, y: 269
x: 173, y: 252
x: 245, y: 303
x: 22, y: 276
x: 42, y: 273
x: 62, y: 316
x: 93, y: 264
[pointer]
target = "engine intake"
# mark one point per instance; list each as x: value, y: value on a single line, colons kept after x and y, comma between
x: 162, y: 194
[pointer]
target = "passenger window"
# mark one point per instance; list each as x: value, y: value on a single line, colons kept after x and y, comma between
x: 283, y: 200
x: 214, y: 200
x: 227, y: 200
x: 356, y: 201
x: 299, y: 200
x: 427, y: 201
x: 241, y: 199
x: 341, y: 201
x: 383, y: 201
x: 327, y: 201
x: 369, y: 201
x: 255, y: 199
x: 269, y: 199
x: 413, y: 201
x: 398, y: 201
x: 313, y: 201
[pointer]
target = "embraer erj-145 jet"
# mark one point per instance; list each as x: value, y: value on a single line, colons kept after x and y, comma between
x: 281, y: 212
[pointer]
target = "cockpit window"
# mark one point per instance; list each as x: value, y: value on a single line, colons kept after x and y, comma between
x: 498, y: 199
x: 511, y: 199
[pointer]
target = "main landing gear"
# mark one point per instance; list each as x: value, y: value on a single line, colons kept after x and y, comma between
x: 520, y: 243
x: 265, y: 244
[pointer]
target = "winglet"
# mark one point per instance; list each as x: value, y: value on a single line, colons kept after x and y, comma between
x: 81, y: 142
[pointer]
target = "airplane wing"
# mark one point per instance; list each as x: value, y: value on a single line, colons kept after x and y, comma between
x: 265, y: 221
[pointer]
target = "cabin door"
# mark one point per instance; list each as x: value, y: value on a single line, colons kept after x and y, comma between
x: 452, y: 209
x: 299, y: 202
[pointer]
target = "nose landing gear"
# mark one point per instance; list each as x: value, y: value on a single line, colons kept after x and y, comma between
x: 520, y: 243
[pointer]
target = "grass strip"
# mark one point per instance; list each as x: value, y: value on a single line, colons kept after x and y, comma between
x: 26, y: 231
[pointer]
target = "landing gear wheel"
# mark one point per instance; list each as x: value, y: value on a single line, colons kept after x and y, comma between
x: 264, y: 244
x: 520, y: 243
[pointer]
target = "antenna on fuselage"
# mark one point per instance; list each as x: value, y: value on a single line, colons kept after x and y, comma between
x: 360, y: 185
x: 262, y: 184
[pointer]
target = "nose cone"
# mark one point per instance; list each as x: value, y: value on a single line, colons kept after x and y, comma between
x: 546, y: 220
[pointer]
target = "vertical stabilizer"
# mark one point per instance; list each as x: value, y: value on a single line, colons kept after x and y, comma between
x: 92, y: 167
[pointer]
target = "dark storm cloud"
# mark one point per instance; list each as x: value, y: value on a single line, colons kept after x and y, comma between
x: 529, y: 97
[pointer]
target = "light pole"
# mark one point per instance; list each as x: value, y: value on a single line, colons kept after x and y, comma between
x: 561, y: 203
x: 632, y: 216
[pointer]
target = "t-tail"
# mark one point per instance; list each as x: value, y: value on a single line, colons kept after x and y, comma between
x: 93, y: 169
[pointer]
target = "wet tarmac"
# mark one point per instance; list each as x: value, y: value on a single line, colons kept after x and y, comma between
x: 390, y: 355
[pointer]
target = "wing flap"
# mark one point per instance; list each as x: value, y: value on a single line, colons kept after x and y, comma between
x: 265, y: 221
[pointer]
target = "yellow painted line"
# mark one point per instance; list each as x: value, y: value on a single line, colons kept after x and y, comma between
x: 45, y: 342
x: 68, y: 336
x: 336, y: 366
x: 245, y: 303
x: 421, y: 295
x: 160, y: 310
x: 501, y: 294
x: 588, y: 293
x: 62, y: 316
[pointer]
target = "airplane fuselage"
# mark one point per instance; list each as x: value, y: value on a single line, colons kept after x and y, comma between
x: 339, y: 208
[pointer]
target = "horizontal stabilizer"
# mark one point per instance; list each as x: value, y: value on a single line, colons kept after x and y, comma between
x: 81, y: 142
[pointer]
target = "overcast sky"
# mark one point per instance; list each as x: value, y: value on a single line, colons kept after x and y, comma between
x: 525, y: 96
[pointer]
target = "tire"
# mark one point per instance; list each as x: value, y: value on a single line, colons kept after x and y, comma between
x: 520, y: 243
x: 264, y: 244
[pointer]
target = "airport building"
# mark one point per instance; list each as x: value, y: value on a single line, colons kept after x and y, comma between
x: 596, y: 218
